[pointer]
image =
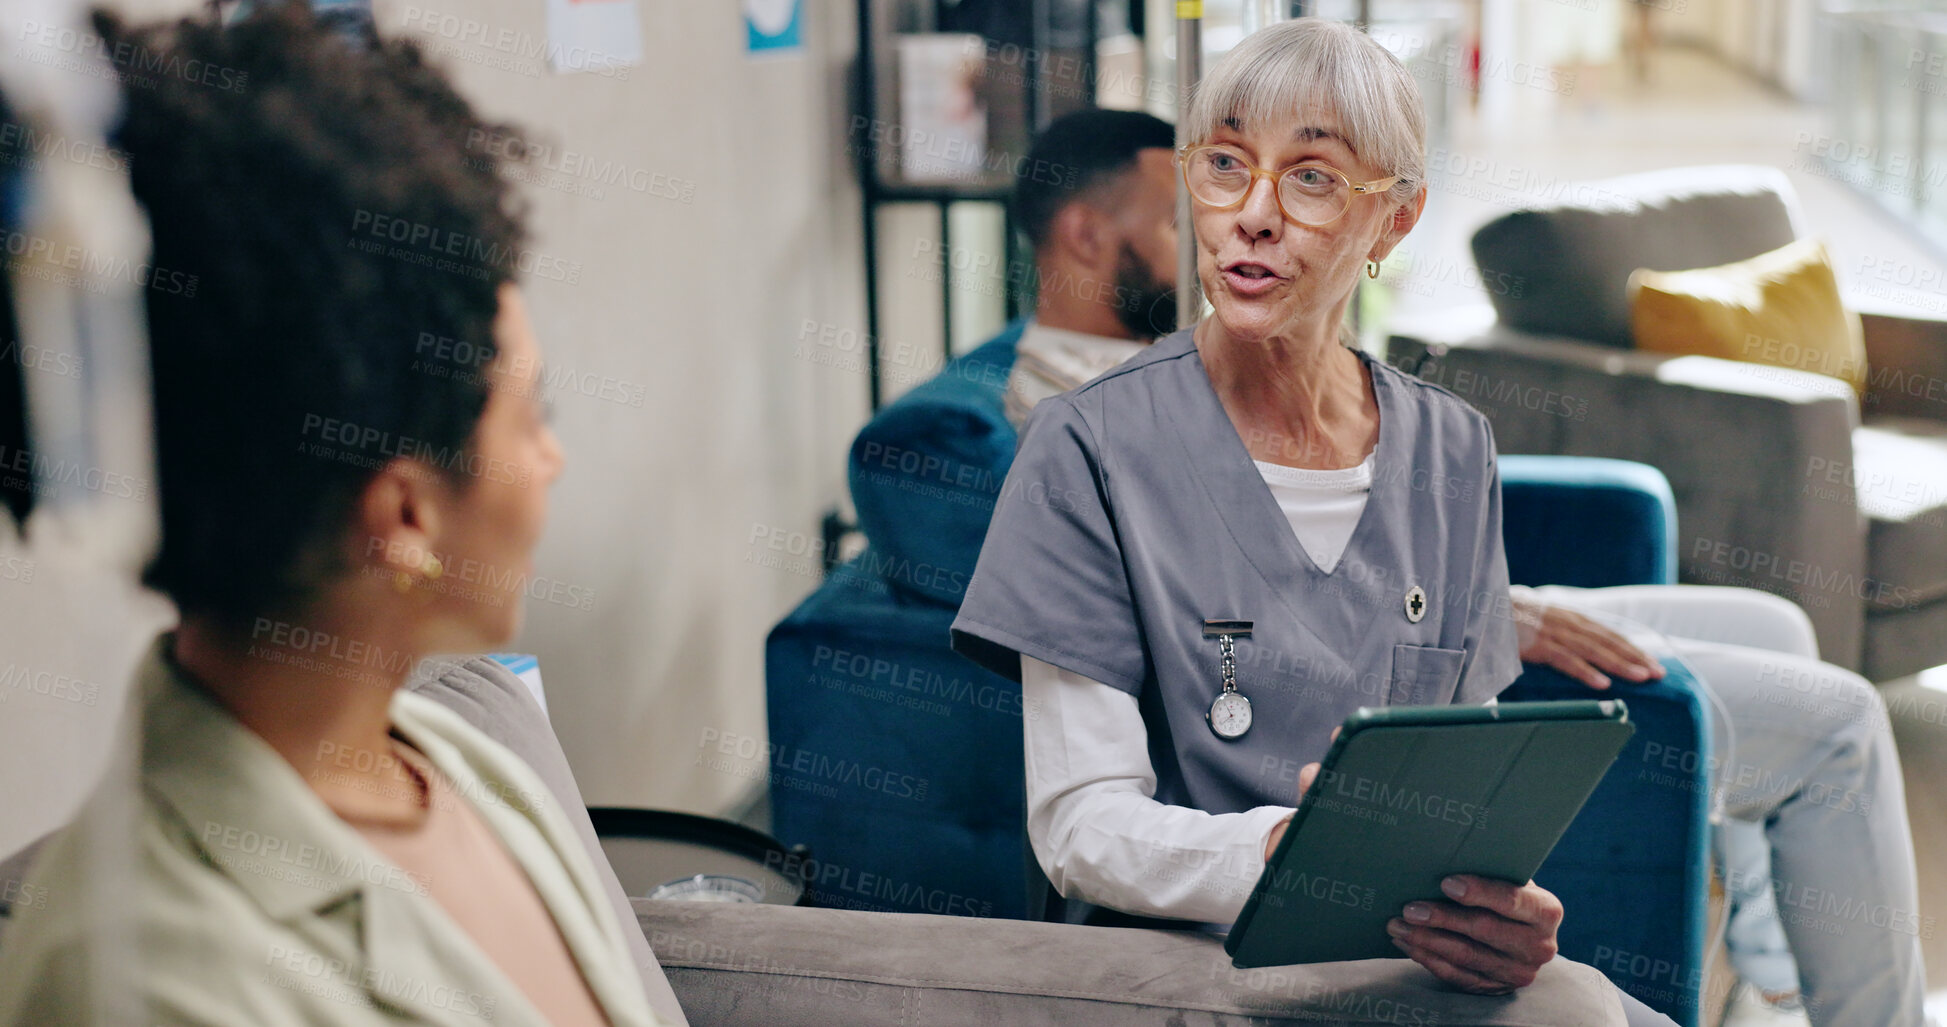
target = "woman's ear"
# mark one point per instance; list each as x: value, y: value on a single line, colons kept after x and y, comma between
x: 1403, y: 218
x: 397, y: 516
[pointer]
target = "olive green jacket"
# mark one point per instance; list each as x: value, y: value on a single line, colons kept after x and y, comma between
x: 236, y: 898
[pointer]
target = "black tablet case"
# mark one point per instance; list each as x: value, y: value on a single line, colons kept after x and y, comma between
x: 1409, y: 795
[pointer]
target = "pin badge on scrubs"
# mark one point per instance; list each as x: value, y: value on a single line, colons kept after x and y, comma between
x: 1415, y: 604
x: 1230, y: 712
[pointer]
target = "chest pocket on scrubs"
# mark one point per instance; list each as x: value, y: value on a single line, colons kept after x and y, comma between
x: 1424, y: 675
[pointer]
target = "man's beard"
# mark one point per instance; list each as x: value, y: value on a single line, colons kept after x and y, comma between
x: 1144, y: 305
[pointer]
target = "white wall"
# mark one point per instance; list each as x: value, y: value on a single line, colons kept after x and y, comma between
x: 665, y: 510
x: 740, y: 438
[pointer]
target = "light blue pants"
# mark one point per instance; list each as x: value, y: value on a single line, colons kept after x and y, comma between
x: 1808, y: 754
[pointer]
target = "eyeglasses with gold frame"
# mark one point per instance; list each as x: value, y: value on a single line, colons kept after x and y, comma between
x: 1322, y: 201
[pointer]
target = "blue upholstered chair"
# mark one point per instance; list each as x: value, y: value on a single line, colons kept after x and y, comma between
x: 1633, y: 869
x: 899, y: 763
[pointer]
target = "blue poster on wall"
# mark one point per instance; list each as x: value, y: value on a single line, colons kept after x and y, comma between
x: 774, y: 27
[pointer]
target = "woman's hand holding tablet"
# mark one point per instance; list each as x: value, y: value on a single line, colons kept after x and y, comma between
x: 1492, y: 938
x: 1413, y: 834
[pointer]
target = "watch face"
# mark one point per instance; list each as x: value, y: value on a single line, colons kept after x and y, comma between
x: 1230, y: 715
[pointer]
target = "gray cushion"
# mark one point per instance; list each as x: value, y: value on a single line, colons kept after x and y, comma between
x: 1899, y: 476
x: 1573, y: 258
x: 1903, y: 642
x: 771, y: 965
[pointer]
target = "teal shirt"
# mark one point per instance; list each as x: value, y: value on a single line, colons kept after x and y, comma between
x: 245, y: 901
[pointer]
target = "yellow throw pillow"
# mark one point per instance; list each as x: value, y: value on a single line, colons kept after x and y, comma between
x: 1780, y: 308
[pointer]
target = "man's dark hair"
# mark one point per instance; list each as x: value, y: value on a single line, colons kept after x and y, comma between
x: 318, y: 216
x: 1076, y: 153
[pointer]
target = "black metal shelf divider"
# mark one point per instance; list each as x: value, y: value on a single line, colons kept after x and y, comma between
x: 875, y: 192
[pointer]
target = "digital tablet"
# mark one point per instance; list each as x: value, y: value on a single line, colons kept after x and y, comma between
x: 1408, y: 795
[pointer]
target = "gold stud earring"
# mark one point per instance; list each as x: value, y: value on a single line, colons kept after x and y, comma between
x: 403, y: 582
x: 1372, y: 269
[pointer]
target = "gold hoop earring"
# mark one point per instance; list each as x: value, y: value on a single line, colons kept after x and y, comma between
x: 1372, y: 269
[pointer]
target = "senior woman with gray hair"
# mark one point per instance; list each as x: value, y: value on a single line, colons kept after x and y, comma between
x: 1256, y: 469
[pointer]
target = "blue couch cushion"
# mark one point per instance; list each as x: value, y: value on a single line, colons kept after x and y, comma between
x: 1635, y: 896
x: 926, y: 470
x: 1587, y: 521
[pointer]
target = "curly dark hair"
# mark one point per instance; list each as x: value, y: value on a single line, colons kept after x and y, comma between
x: 277, y: 162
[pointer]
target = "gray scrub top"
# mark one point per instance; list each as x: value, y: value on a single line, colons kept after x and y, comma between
x: 1133, y: 513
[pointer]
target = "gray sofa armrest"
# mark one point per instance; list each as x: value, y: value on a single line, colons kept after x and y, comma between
x: 1906, y: 364
x: 770, y: 965
x: 1746, y: 447
x: 491, y: 698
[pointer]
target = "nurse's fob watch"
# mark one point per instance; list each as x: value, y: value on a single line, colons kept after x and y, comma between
x: 1230, y: 712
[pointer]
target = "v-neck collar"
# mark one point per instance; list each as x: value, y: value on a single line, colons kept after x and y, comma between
x: 1239, y: 492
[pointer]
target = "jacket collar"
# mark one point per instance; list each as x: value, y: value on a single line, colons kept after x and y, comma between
x: 247, y: 810
x: 252, y: 816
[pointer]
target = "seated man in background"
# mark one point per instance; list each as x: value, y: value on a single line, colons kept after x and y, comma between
x: 1102, y: 223
x: 249, y: 874
x: 1790, y: 764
